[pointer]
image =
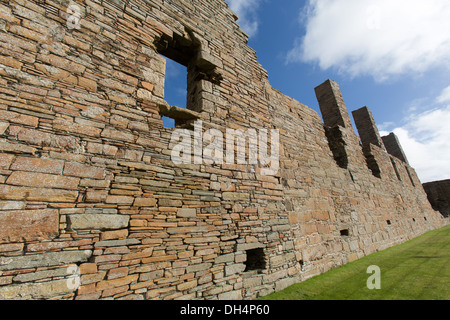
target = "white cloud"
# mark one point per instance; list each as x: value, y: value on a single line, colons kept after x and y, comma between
x: 380, y: 38
x: 445, y: 95
x: 425, y: 138
x: 246, y: 10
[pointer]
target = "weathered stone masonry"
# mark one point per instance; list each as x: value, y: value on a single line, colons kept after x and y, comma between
x: 91, y: 205
x: 438, y: 193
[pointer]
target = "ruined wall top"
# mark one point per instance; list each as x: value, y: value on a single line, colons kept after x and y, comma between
x: 90, y: 190
x: 332, y: 106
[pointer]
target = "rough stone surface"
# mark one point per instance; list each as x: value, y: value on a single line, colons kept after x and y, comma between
x: 44, y: 259
x: 367, y: 128
x: 28, y: 224
x: 393, y: 147
x: 98, y: 221
x: 88, y: 185
x: 36, y: 291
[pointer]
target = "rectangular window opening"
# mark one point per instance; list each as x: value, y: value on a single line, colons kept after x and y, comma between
x: 175, y: 89
x: 255, y: 259
x: 188, y: 77
x: 388, y: 222
x: 344, y: 233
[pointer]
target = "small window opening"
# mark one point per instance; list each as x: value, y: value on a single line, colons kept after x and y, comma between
x: 425, y: 218
x: 388, y: 222
x: 301, y: 265
x: 186, y: 79
x: 344, y: 233
x: 178, y: 53
x: 255, y: 259
x: 414, y: 220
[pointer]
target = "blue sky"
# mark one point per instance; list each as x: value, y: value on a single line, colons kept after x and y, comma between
x: 391, y: 56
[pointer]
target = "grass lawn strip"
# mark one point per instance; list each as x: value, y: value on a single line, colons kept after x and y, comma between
x: 416, y: 269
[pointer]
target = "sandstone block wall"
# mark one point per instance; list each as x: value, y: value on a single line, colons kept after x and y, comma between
x: 92, y: 205
x: 438, y: 193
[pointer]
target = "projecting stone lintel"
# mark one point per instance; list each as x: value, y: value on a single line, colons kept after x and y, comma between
x: 178, y: 113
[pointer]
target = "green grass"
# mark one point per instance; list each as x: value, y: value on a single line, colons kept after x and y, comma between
x: 415, y: 270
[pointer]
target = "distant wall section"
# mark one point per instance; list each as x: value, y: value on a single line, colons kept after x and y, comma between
x: 438, y: 193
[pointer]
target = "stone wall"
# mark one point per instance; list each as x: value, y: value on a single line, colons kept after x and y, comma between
x: 438, y: 193
x: 92, y: 205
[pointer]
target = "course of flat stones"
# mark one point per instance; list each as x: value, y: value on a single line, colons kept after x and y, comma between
x: 92, y: 206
